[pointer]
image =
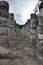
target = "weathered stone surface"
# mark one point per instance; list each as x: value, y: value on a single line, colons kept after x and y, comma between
x: 4, y: 31
x: 26, y: 56
x: 4, y: 41
x: 4, y: 50
x: 4, y: 9
x: 40, y: 36
x: 11, y: 16
x: 4, y: 26
x: 40, y: 29
x: 18, y: 61
x: 18, y: 45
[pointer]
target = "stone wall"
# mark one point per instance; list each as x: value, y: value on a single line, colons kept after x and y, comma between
x: 20, y: 46
x: 4, y: 25
x: 33, y: 30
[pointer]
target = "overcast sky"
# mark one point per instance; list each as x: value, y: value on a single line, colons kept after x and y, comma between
x: 22, y: 9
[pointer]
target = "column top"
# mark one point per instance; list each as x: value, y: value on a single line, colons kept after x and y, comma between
x: 33, y: 16
x: 41, y: 6
x: 4, y: 4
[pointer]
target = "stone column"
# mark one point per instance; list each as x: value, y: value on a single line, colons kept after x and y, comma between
x: 4, y: 9
x: 40, y: 32
x: 11, y: 16
x: 11, y: 29
x: 41, y: 9
x: 40, y: 37
x: 27, y: 30
x: 33, y: 27
x: 4, y: 39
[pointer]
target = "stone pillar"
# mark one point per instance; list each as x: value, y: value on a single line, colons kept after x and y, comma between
x: 41, y: 9
x: 28, y: 29
x: 4, y: 9
x: 40, y: 36
x: 33, y: 27
x: 11, y: 29
x: 40, y: 33
x: 11, y: 16
x: 4, y: 39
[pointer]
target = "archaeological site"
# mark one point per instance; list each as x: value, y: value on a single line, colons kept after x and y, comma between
x: 21, y: 44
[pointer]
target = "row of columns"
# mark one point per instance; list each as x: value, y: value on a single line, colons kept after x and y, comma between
x: 36, y: 33
x: 33, y: 28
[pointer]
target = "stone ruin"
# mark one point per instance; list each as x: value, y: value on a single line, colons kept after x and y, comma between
x: 28, y: 39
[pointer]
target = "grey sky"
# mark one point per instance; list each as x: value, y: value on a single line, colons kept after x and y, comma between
x: 22, y: 9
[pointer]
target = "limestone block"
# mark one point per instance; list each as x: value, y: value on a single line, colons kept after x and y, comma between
x: 32, y: 31
x: 40, y: 36
x: 4, y: 41
x: 41, y: 44
x: 11, y: 33
x: 11, y: 22
x: 40, y: 50
x: 33, y: 39
x: 40, y: 29
x: 41, y: 12
x: 33, y: 36
x: 26, y: 30
x: 11, y: 16
x: 4, y: 22
x: 33, y: 23
x: 40, y: 18
x: 27, y: 24
x: 4, y: 31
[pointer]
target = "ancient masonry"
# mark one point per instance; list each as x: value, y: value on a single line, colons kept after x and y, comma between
x: 30, y: 35
x: 34, y: 30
